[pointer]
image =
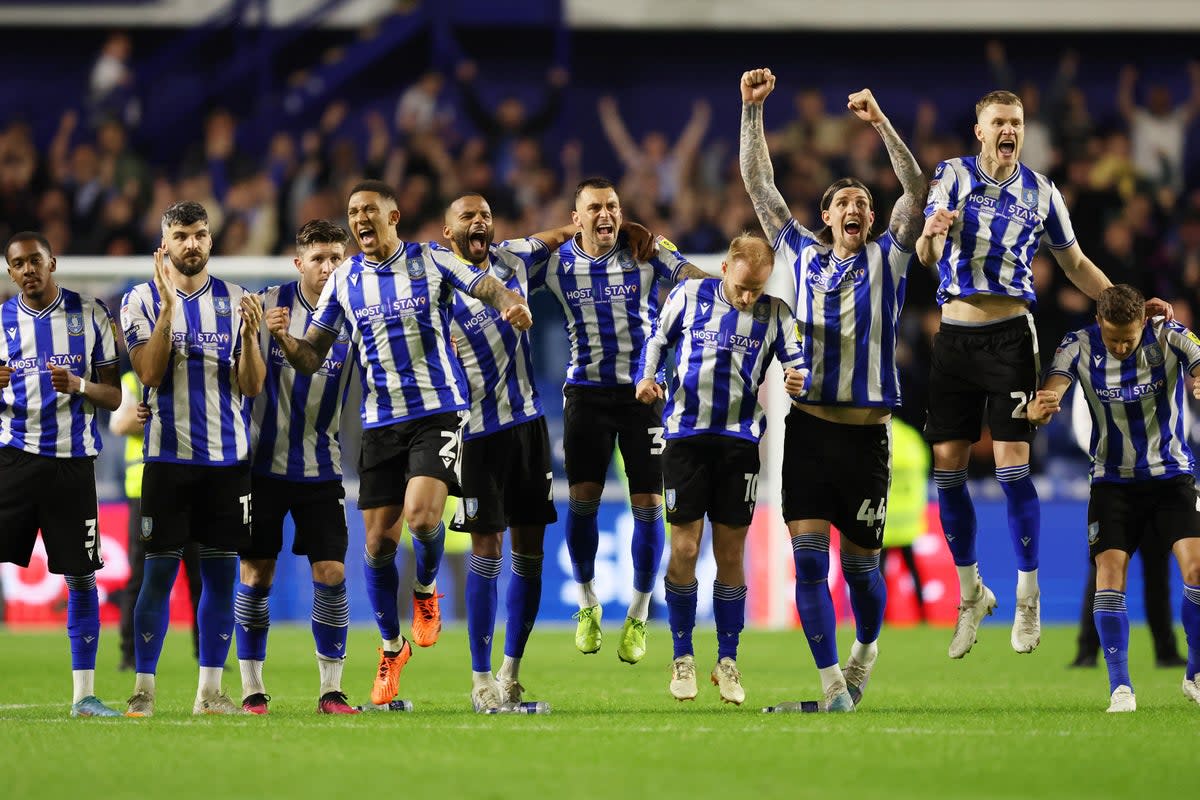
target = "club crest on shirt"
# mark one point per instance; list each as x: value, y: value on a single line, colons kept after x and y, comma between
x: 625, y: 261
x: 502, y: 270
x: 1154, y: 355
x: 147, y: 528
x: 1029, y: 197
x: 343, y: 335
x: 75, y: 323
x: 670, y: 497
x: 761, y: 312
x: 415, y: 267
x: 221, y: 306
x: 471, y: 506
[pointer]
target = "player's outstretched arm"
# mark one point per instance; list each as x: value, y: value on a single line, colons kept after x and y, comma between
x: 104, y: 391
x: 757, y: 171
x: 511, y: 305
x: 304, y: 354
x: 1046, y: 401
x: 908, y: 215
x: 1082, y: 271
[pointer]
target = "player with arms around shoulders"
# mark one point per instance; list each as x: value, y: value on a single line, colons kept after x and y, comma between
x: 724, y: 332
x: 986, y: 216
x: 58, y: 362
x: 847, y: 289
x: 297, y: 470
x: 609, y: 296
x: 507, y: 480
x: 193, y: 342
x: 1132, y: 372
x: 395, y: 297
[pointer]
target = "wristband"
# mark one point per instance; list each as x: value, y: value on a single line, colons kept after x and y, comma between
x: 82, y: 387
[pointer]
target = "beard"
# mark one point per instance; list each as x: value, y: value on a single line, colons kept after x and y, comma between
x: 190, y: 269
x: 463, y: 242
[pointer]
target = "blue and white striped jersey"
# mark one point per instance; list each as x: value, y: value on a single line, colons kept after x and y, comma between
x: 609, y: 302
x: 1136, y: 403
x: 198, y: 414
x: 296, y: 417
x: 496, y: 358
x: 848, y: 312
x: 75, y: 332
x: 721, y: 357
x: 398, y: 312
x: 999, y: 228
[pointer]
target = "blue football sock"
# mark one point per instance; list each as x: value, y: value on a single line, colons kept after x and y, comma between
x: 1189, y: 614
x: 1024, y: 514
x: 583, y: 538
x: 83, y: 620
x: 330, y: 619
x: 524, y: 598
x: 152, y: 612
x: 729, y: 612
x: 681, y: 615
x: 482, y: 574
x: 647, y: 546
x: 252, y: 620
x: 810, y: 551
x: 428, y: 547
x: 383, y: 582
x: 868, y: 594
x: 1112, y: 623
x: 214, y: 616
x: 957, y: 513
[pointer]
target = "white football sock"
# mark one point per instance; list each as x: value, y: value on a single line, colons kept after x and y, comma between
x: 84, y: 683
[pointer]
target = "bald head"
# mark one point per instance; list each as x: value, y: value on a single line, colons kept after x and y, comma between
x: 469, y: 228
x: 746, y: 269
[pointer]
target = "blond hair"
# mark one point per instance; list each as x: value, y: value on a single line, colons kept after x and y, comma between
x: 754, y: 250
x: 1000, y: 97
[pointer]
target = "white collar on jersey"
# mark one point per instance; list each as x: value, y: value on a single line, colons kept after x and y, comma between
x: 45, y: 312
x: 600, y: 259
x: 387, y: 262
x: 207, y: 285
x: 989, y: 179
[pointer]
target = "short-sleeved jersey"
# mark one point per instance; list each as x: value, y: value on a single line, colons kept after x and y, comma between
x: 1000, y: 225
x: 75, y: 332
x: 1136, y: 403
x: 495, y: 356
x: 848, y: 313
x: 398, y: 313
x: 198, y: 414
x: 610, y: 303
x: 721, y: 357
x: 296, y: 417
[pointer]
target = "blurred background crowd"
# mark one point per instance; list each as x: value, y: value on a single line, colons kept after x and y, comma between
x: 102, y: 130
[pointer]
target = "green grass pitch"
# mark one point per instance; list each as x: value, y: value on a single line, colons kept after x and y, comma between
x: 995, y: 724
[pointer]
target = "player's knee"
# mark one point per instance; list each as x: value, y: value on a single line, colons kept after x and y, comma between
x: 257, y: 572
x: 1191, y: 572
x: 645, y: 500
x: 487, y: 545
x: 812, y: 566
x: 330, y: 573
x: 422, y: 518
x: 685, y: 549
x: 586, y: 492
x: 379, y: 544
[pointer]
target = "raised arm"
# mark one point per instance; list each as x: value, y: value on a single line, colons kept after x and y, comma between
x: 150, y: 360
x: 757, y: 172
x: 616, y: 132
x: 908, y: 215
x: 1125, y: 86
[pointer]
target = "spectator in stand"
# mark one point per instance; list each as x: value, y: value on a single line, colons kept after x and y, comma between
x: 111, y: 89
x: 1159, y: 129
x: 667, y: 166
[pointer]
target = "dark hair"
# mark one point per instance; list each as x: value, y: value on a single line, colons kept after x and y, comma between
x: 464, y: 196
x: 593, y: 183
x: 1121, y: 305
x: 1000, y: 97
x: 321, y: 231
x: 185, y: 212
x: 28, y: 236
x: 381, y: 188
x: 825, y: 235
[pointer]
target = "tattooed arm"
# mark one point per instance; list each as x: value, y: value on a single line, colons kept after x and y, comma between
x: 908, y: 215
x: 757, y: 172
x: 511, y: 305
